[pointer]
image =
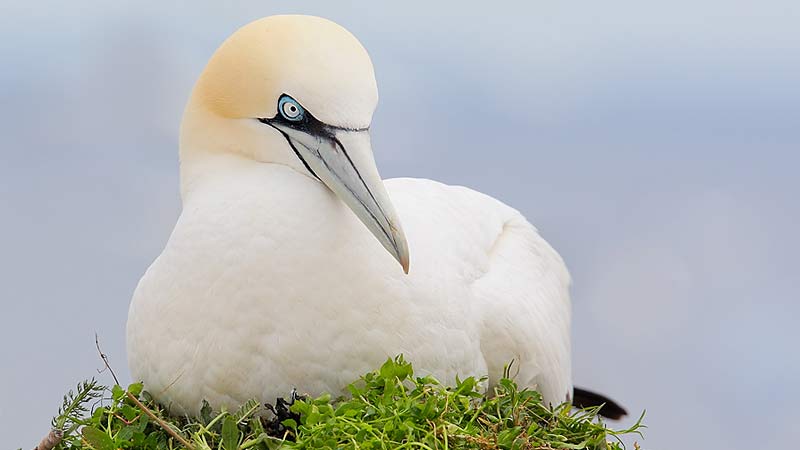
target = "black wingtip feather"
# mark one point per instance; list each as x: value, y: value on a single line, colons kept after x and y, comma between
x: 609, y: 409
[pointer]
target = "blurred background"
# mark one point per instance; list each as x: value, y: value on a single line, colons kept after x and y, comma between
x: 654, y: 145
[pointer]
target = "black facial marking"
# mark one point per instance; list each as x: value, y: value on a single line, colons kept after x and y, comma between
x: 294, y: 149
x: 310, y: 125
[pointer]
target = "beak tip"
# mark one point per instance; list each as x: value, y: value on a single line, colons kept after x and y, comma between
x: 401, y: 250
x: 402, y: 258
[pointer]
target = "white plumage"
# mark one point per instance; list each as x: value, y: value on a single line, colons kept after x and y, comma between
x: 270, y: 281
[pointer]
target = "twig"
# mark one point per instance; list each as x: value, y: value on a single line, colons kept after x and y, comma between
x: 160, y: 422
x: 105, y: 360
x: 136, y: 401
x: 50, y: 441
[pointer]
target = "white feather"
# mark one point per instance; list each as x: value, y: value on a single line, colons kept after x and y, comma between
x: 269, y: 281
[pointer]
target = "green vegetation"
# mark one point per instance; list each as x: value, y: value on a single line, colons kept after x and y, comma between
x: 389, y: 409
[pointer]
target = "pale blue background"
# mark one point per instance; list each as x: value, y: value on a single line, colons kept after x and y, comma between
x: 654, y: 145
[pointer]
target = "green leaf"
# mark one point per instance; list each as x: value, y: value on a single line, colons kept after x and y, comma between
x: 117, y: 392
x: 313, y: 416
x: 506, y: 438
x: 230, y: 434
x: 126, y: 434
x: 289, y: 423
x: 206, y: 415
x: 136, y: 389
x: 390, y: 408
x: 246, y: 410
x: 129, y: 412
x: 387, y: 369
x: 97, y: 439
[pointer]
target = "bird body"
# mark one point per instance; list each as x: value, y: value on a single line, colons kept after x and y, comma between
x: 282, y: 270
x: 252, y: 296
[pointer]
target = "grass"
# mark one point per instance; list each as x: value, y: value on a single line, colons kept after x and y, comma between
x: 389, y: 408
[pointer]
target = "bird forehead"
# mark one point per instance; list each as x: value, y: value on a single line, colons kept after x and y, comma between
x: 316, y: 61
x: 333, y: 80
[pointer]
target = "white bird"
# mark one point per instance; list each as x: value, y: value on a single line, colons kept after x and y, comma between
x: 270, y: 278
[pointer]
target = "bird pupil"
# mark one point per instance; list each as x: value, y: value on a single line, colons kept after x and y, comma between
x: 290, y: 109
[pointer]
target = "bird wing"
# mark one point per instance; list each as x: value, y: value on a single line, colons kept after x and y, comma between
x: 518, y: 284
x: 525, y: 292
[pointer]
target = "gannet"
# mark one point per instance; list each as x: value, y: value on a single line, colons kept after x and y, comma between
x: 293, y: 264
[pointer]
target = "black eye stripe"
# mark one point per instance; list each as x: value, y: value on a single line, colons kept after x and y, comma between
x: 304, y: 120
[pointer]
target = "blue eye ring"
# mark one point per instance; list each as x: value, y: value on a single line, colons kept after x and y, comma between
x: 290, y: 109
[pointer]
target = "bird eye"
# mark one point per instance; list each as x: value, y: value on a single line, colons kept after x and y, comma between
x: 290, y: 109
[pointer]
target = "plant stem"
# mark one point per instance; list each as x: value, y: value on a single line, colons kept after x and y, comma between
x: 160, y: 422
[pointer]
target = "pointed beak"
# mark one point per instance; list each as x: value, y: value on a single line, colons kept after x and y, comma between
x: 342, y: 159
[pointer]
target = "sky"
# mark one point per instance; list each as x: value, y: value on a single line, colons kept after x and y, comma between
x: 655, y: 146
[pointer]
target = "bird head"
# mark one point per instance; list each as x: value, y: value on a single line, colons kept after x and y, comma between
x: 298, y: 91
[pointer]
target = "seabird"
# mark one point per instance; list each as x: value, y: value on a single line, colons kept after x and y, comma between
x: 294, y: 264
